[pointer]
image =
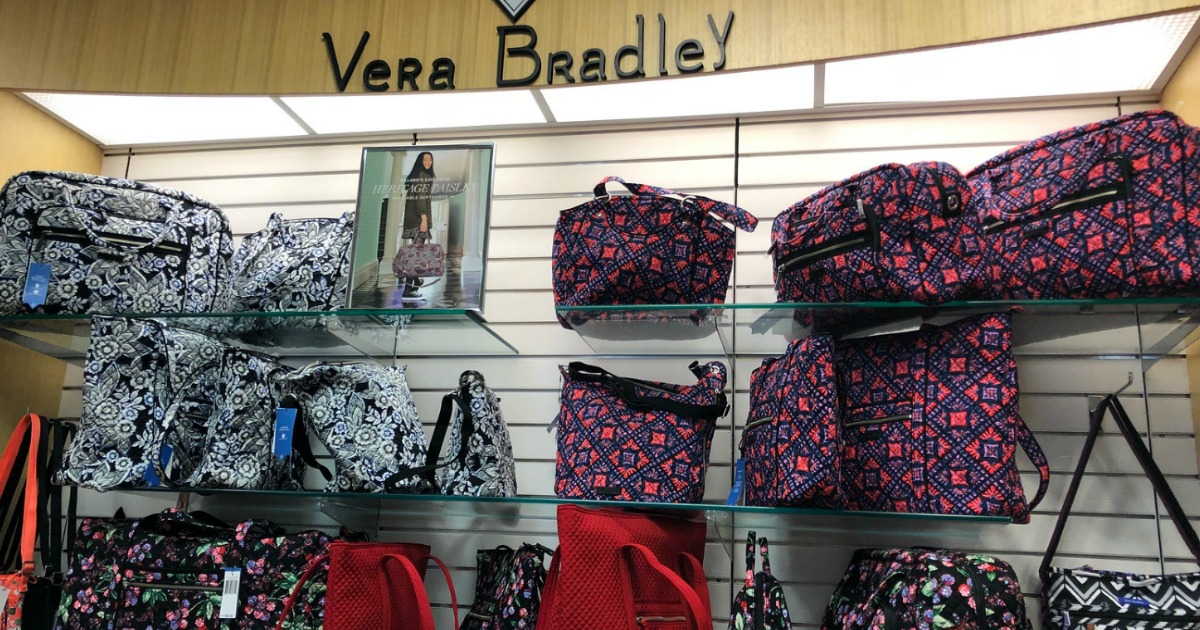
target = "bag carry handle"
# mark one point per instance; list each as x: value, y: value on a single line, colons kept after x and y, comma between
x: 290, y: 601
x: 627, y: 390
x: 700, y: 614
x: 30, y: 426
x: 56, y: 433
x: 431, y: 454
x: 87, y: 222
x: 1145, y: 459
x: 726, y: 211
x: 415, y: 583
x: 13, y: 493
x: 1034, y: 450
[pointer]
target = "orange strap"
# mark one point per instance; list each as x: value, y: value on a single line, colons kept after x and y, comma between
x: 29, y: 423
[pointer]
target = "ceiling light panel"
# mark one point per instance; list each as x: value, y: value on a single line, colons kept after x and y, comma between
x: 724, y: 93
x: 1120, y: 57
x: 118, y: 120
x: 419, y: 111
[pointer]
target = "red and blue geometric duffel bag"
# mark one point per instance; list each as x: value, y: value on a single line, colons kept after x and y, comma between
x: 931, y: 424
x: 652, y: 247
x: 893, y: 233
x: 1103, y: 210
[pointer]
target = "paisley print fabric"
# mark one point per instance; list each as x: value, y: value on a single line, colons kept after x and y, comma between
x: 166, y: 571
x: 480, y: 454
x: 760, y: 605
x: 654, y: 247
x: 893, y: 233
x: 145, y: 385
x: 365, y: 416
x: 238, y: 440
x: 508, y: 588
x: 923, y: 589
x: 113, y: 245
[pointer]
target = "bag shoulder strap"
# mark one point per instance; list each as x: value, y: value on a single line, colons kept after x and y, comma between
x: 11, y: 464
x: 700, y: 616
x: 435, y: 446
x: 750, y: 560
x: 1145, y: 459
x: 627, y: 390
x: 290, y: 602
x: 31, y: 505
x: 726, y: 211
x: 1034, y: 450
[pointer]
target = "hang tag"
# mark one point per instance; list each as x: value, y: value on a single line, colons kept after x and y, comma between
x: 152, y: 479
x: 37, y: 282
x: 739, y: 478
x: 229, y: 593
x: 285, y: 426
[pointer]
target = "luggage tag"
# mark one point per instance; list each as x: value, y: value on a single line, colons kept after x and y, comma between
x: 229, y: 593
x: 37, y: 283
x: 739, y: 478
x: 285, y: 431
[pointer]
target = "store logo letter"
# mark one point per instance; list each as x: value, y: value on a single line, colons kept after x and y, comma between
x: 514, y: 8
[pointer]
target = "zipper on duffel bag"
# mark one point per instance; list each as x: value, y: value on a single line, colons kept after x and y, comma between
x: 165, y: 586
x: 1082, y: 200
x: 643, y: 620
x: 835, y: 246
x: 884, y: 420
x: 80, y: 237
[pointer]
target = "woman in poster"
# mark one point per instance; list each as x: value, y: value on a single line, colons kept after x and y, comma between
x: 418, y: 187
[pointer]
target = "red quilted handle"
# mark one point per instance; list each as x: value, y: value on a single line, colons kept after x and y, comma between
x: 701, y: 616
x: 398, y: 618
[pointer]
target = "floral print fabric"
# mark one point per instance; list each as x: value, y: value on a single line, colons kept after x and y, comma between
x: 480, y: 445
x: 143, y: 385
x: 238, y: 442
x: 760, y: 605
x: 508, y: 588
x: 923, y: 589
x: 165, y: 572
x: 365, y: 416
x: 112, y: 245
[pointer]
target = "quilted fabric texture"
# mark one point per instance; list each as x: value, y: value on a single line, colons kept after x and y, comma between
x: 480, y: 453
x: 760, y: 605
x: 113, y: 245
x: 365, y: 416
x: 923, y: 589
x: 652, y: 247
x: 893, y: 233
x: 293, y: 265
x: 166, y: 571
x: 238, y: 441
x: 145, y: 385
x: 931, y: 422
x: 792, y: 441
x: 626, y: 440
x: 1106, y: 210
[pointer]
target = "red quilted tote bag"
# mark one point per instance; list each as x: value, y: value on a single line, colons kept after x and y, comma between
x: 376, y: 586
x: 626, y: 571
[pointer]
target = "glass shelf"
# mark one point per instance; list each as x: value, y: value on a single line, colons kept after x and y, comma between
x: 1147, y: 328
x: 342, y: 333
x: 361, y: 510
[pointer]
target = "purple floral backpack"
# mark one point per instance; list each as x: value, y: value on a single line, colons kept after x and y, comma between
x: 508, y: 588
x: 760, y: 605
x: 654, y: 246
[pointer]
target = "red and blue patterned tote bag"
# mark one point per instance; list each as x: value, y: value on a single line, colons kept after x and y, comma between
x: 760, y: 605
x: 792, y: 441
x: 652, y: 246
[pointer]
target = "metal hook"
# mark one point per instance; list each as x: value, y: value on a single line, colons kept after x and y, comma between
x: 414, y: 139
x: 1125, y: 386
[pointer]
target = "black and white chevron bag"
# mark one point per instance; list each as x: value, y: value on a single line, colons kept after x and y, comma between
x: 1093, y: 599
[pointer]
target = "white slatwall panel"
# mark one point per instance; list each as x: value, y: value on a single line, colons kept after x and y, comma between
x: 1062, y: 360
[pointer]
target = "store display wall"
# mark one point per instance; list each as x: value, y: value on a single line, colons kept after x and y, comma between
x: 763, y: 167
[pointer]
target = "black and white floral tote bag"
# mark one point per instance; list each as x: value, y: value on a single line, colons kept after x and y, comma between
x: 365, y: 416
x: 239, y: 441
x: 293, y: 265
x: 146, y: 385
x: 479, y: 461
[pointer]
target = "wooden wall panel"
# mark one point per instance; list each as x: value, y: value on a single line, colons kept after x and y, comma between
x: 275, y: 46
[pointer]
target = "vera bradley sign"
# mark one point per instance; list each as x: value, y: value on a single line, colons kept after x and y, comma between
x: 658, y: 51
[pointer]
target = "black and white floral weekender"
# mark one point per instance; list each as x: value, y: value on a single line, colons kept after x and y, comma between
x: 479, y: 461
x: 72, y: 243
x: 293, y: 265
x: 145, y: 384
x: 238, y: 444
x: 365, y: 416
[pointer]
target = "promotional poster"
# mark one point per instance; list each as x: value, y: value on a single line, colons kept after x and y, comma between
x: 421, y: 227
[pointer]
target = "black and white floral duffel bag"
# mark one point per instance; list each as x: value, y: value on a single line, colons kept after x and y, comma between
x: 364, y: 415
x: 479, y: 459
x: 148, y: 389
x: 293, y: 265
x: 73, y: 243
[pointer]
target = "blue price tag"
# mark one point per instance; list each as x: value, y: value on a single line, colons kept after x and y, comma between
x: 739, y: 478
x: 37, y: 282
x: 285, y: 426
